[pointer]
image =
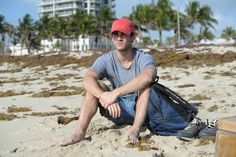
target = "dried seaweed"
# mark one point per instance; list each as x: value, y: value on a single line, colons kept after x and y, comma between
x: 66, y: 120
x: 60, y: 108
x: 206, y: 141
x: 12, y: 109
x: 12, y: 93
x: 7, y: 117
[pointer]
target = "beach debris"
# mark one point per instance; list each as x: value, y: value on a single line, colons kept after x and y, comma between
x: 7, y: 117
x: 12, y: 93
x: 44, y: 114
x: 186, y: 85
x: 60, y: 108
x: 169, y: 77
x: 14, y: 108
x: 206, y: 140
x: 143, y: 145
x: 200, y: 97
x: 61, y: 91
x: 11, y: 71
x: 60, y: 77
x: 66, y: 120
x: 14, y: 150
x: 213, y: 108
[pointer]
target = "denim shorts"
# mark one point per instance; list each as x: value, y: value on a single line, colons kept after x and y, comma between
x: 127, y: 105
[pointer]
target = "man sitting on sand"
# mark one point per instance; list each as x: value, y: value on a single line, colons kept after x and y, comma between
x: 130, y: 72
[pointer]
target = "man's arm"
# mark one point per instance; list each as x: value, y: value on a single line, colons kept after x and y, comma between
x: 92, y: 86
x: 91, y: 83
x: 139, y: 82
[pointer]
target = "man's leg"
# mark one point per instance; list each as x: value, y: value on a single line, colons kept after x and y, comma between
x: 88, y: 110
x: 140, y: 115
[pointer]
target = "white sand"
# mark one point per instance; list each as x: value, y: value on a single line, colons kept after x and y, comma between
x: 29, y: 136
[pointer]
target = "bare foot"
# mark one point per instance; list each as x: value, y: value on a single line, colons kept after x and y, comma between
x: 133, y: 136
x: 71, y: 140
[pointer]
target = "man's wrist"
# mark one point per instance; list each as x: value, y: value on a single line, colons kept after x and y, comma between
x: 117, y: 92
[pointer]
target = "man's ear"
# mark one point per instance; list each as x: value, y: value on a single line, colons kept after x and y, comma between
x: 132, y: 36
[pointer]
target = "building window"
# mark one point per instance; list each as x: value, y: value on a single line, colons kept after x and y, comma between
x: 105, y: 1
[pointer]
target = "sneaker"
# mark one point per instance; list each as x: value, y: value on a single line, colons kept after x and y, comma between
x: 210, y: 130
x: 192, y: 130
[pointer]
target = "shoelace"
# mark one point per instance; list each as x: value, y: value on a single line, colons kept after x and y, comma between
x: 194, y: 122
x: 212, y: 124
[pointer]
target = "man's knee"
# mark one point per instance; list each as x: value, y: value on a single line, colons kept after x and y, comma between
x: 103, y: 87
x: 88, y: 95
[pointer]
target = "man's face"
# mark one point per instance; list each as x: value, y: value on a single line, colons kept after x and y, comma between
x: 121, y: 41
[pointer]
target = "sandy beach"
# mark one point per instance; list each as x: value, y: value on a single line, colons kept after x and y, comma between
x: 35, y: 92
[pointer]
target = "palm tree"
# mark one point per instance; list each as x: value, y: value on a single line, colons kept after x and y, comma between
x: 142, y: 15
x: 3, y: 31
x: 205, y: 19
x: 65, y: 33
x: 183, y: 20
x: 56, y: 27
x: 26, y: 32
x: 104, y: 19
x: 74, y: 22
x: 202, y: 15
x: 12, y: 35
x: 87, y: 25
x: 228, y: 33
x: 162, y: 13
x: 192, y: 10
x: 45, y: 25
x: 207, y: 34
x: 105, y: 16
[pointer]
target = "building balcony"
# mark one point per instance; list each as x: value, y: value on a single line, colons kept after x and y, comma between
x: 66, y: 7
x: 96, y: 1
x: 42, y: 3
x: 45, y: 10
x: 64, y: 1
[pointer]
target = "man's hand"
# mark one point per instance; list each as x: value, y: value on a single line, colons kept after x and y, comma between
x: 108, y: 98
x: 114, y: 110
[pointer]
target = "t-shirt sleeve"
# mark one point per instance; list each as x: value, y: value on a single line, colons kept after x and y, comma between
x: 147, y: 62
x: 99, y: 66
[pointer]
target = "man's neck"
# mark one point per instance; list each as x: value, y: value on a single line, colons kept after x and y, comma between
x: 125, y: 56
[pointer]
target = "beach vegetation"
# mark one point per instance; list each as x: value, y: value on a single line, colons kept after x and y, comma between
x: 200, y: 97
x: 60, y: 108
x: 14, y: 108
x: 186, y: 85
x: 7, y: 117
x: 12, y: 93
x: 61, y: 91
x: 66, y: 120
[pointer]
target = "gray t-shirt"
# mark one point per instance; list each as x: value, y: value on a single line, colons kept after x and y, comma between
x: 108, y: 66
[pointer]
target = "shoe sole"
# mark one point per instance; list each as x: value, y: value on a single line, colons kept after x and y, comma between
x: 186, y: 139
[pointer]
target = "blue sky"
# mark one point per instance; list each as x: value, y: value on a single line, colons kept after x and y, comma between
x: 224, y: 10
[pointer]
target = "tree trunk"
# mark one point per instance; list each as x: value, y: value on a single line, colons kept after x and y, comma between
x: 160, y: 37
x: 200, y: 33
x: 191, y: 34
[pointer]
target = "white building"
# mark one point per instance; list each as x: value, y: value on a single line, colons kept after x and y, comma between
x: 69, y: 7
x: 66, y: 8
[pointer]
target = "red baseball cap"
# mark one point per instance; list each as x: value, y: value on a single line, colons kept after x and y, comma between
x: 123, y: 25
